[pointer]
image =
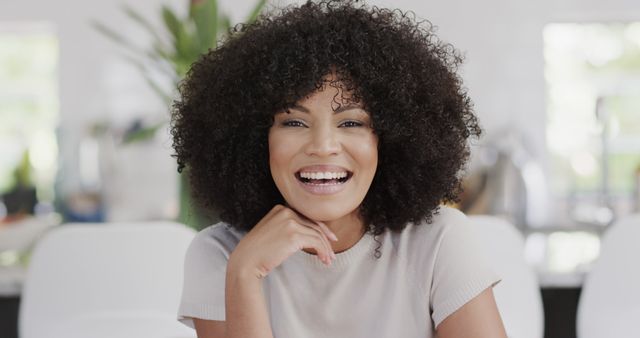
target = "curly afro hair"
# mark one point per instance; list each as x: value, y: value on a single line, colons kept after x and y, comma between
x: 400, y: 72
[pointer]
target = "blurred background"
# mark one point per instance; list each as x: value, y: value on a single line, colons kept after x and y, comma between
x: 85, y: 86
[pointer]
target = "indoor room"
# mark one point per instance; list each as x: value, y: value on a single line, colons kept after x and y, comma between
x: 122, y: 148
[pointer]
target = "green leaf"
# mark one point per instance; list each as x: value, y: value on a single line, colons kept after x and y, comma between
x: 182, y: 67
x: 142, y: 134
x: 186, y: 45
x: 116, y: 37
x: 256, y: 11
x: 145, y: 74
x: 205, y: 16
x: 160, y: 51
x: 22, y: 172
x: 174, y: 25
x: 190, y: 37
x: 159, y: 91
x: 224, y: 23
x: 163, y: 60
x: 142, y: 22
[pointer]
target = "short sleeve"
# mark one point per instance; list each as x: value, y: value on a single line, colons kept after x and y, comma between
x: 204, y: 277
x: 461, y: 268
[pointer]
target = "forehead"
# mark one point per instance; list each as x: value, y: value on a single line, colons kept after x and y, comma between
x: 330, y: 93
x: 319, y: 107
x: 336, y: 92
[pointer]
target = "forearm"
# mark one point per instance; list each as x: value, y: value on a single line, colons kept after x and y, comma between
x: 246, y: 308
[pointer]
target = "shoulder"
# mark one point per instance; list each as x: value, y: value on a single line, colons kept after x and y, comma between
x: 423, y: 243
x: 445, y: 221
x: 448, y: 217
x: 219, y: 239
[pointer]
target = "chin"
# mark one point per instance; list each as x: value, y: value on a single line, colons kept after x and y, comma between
x: 325, y: 213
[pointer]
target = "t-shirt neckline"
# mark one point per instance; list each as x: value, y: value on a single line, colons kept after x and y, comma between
x: 362, y: 247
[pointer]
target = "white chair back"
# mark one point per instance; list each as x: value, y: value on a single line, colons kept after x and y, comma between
x: 609, y: 303
x: 518, y: 295
x: 106, y: 280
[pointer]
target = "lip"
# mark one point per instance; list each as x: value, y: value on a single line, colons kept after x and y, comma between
x: 323, y: 168
x: 323, y: 189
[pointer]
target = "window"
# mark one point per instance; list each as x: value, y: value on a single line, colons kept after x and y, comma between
x: 28, y: 108
x: 592, y: 73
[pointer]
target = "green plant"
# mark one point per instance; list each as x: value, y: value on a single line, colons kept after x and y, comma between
x: 22, y: 174
x: 171, y: 53
x: 173, y: 50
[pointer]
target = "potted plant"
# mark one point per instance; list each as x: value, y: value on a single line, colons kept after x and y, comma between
x: 21, y: 199
x: 172, y: 52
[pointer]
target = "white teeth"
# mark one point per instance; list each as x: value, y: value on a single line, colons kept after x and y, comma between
x: 323, y: 175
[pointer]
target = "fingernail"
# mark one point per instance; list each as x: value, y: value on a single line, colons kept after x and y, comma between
x: 333, y: 236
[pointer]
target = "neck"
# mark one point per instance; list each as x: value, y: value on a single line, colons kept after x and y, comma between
x: 349, y: 229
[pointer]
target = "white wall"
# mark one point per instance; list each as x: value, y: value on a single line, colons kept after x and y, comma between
x: 502, y: 40
x: 97, y: 84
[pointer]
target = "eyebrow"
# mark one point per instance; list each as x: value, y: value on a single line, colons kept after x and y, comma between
x: 339, y: 110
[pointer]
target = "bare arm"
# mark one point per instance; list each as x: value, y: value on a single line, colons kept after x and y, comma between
x: 246, y: 311
x: 246, y: 308
x: 479, y: 318
x: 279, y: 234
x: 209, y: 328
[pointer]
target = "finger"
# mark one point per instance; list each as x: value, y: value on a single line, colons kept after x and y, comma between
x: 288, y: 213
x: 328, y: 231
x: 325, y: 229
x: 324, y: 252
x: 314, y: 241
x: 314, y: 225
x: 318, y: 228
x: 269, y: 216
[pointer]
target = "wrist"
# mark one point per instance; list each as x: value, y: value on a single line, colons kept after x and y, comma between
x: 238, y: 271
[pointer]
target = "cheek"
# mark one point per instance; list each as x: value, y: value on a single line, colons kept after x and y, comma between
x: 367, y: 152
x: 279, y: 153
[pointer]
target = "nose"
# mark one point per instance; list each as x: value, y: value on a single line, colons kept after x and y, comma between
x: 324, y: 141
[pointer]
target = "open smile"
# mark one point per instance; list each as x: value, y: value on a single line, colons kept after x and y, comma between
x: 323, y: 180
x: 323, y: 183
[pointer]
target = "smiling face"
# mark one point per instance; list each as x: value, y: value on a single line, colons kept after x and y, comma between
x: 323, y: 161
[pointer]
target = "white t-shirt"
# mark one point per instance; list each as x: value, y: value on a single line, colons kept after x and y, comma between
x: 424, y: 273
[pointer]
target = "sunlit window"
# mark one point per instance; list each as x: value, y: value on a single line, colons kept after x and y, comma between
x: 28, y: 109
x: 592, y: 73
x: 562, y: 252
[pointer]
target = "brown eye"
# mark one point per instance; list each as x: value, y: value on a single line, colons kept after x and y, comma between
x: 293, y: 123
x: 351, y: 124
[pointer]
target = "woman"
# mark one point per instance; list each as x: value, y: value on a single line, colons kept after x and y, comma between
x: 327, y: 137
